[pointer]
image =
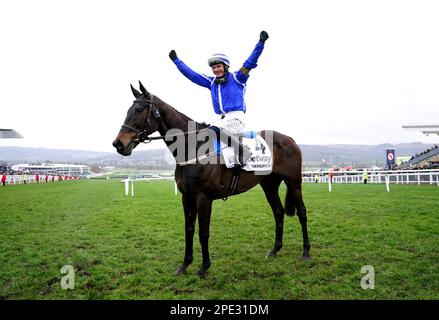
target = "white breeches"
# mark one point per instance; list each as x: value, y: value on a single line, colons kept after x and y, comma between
x: 233, y: 122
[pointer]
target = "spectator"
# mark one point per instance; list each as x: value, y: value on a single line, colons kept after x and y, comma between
x: 53, y: 178
x: 46, y: 178
x: 365, y: 176
x: 4, y: 179
x: 37, y: 178
x: 24, y: 178
x: 317, y: 178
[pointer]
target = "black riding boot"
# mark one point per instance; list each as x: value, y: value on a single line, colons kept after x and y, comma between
x: 242, y: 152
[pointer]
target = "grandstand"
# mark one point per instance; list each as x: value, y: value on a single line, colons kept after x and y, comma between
x: 3, y: 167
x: 53, y: 169
x: 426, y: 129
x: 428, y: 159
x: 9, y: 134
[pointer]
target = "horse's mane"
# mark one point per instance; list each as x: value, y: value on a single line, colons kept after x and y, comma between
x: 201, y: 125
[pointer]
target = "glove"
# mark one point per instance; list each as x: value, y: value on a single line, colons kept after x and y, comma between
x: 264, y: 36
x: 173, y: 55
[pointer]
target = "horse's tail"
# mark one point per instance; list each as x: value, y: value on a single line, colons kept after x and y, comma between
x: 290, y: 155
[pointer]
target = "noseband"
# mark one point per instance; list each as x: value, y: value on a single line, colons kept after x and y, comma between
x: 142, y: 135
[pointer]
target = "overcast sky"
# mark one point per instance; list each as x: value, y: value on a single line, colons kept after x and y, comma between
x: 331, y: 71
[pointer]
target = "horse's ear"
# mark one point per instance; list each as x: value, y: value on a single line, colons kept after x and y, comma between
x: 135, y: 91
x: 143, y: 90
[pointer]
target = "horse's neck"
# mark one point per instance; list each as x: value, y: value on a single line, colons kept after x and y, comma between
x: 173, y: 119
x: 181, y: 125
x: 176, y: 121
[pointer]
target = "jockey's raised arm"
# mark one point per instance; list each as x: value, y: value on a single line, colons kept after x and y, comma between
x: 252, y: 61
x: 195, y: 77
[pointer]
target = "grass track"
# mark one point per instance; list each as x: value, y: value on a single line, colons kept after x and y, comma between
x: 129, y: 248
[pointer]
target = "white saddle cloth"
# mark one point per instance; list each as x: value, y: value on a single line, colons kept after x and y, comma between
x: 260, y: 160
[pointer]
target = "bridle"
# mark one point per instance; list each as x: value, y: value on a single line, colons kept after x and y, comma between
x: 142, y: 135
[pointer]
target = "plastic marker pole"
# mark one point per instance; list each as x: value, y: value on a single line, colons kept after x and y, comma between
x: 175, y: 187
x: 387, y: 183
x: 132, y: 188
x: 329, y: 183
x: 126, y: 187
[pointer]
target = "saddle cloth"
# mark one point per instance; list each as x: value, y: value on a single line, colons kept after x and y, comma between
x: 261, y: 158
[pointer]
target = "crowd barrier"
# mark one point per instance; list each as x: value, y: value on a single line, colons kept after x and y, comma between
x: 20, y: 179
x: 385, y: 176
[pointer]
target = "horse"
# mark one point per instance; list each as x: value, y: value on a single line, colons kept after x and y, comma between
x: 201, y: 184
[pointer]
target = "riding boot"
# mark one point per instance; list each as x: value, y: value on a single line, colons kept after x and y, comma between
x: 242, y: 152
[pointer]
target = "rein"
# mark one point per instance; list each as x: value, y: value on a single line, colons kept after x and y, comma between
x: 142, y: 135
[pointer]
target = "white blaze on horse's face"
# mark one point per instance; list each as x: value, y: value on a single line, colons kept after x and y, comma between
x: 218, y: 70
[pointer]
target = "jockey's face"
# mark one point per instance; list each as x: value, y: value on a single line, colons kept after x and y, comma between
x: 218, y: 70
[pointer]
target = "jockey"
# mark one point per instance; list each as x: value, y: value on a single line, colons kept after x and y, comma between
x: 227, y: 90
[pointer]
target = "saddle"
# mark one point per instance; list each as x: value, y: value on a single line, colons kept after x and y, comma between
x: 260, y: 159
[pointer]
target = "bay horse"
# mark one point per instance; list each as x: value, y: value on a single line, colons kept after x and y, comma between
x: 200, y: 184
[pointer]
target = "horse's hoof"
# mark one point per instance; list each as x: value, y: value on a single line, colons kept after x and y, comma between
x: 201, y: 273
x: 180, y: 270
x: 271, y: 254
x: 306, y: 257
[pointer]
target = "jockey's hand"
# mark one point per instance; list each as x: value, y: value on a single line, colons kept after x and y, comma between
x: 263, y: 36
x: 173, y: 55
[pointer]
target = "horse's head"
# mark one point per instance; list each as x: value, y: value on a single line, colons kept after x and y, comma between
x: 140, y: 122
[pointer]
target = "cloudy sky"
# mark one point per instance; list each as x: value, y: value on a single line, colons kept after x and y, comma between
x: 331, y: 71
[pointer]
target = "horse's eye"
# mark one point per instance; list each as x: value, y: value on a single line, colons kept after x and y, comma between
x: 138, y: 109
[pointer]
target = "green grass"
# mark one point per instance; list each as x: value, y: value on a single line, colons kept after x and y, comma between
x: 129, y: 248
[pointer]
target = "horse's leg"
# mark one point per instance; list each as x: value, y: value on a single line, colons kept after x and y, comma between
x: 190, y: 215
x: 270, y: 185
x: 204, y: 208
x: 295, y: 190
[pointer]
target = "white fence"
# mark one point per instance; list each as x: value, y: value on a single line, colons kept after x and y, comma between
x: 394, y: 176
x: 129, y: 183
x: 21, y: 179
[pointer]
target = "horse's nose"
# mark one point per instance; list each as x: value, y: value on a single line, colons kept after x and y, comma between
x: 118, y: 145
